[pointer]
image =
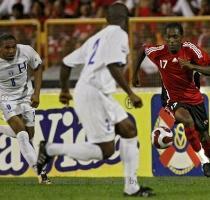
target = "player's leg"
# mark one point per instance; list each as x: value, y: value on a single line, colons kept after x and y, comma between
x: 12, y: 113
x: 82, y: 151
x: 91, y: 115
x: 42, y: 177
x: 193, y: 135
x: 205, y: 140
x: 28, y: 118
x: 129, y: 153
x: 97, y: 125
x: 200, y: 117
x: 182, y: 115
x: 28, y: 152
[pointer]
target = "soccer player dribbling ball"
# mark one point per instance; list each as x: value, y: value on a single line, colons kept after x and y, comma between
x: 177, y: 61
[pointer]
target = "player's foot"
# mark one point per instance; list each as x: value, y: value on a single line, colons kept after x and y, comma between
x: 206, y: 169
x: 142, y: 192
x: 43, y: 179
x: 43, y: 157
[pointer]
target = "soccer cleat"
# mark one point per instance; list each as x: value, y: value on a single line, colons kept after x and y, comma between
x: 206, y: 169
x: 43, y: 158
x: 142, y: 192
x: 43, y: 179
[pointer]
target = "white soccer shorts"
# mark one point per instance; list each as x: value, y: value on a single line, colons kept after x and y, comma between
x: 19, y: 107
x: 98, y: 113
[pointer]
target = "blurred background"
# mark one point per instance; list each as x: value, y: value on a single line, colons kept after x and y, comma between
x: 56, y: 27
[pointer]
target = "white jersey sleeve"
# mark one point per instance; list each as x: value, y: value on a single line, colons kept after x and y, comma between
x: 75, y: 58
x: 117, y: 48
x: 34, y: 59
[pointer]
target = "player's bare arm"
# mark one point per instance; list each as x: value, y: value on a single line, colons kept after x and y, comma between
x: 117, y: 74
x: 201, y: 69
x: 65, y: 95
x: 37, y: 86
x: 135, y: 78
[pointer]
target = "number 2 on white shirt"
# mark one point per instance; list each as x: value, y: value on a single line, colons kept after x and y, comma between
x: 95, y: 47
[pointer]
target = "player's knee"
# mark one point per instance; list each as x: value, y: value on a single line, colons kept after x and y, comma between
x: 126, y: 129
x: 182, y: 115
x: 187, y: 121
x: 131, y: 131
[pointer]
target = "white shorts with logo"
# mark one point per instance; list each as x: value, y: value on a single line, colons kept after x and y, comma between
x: 98, y: 113
x: 19, y: 107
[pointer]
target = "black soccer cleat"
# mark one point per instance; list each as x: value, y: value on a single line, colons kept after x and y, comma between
x: 43, y: 179
x: 142, y: 192
x: 206, y: 169
x: 43, y: 157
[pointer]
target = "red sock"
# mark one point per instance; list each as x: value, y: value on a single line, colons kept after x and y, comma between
x: 206, y: 147
x: 192, y: 136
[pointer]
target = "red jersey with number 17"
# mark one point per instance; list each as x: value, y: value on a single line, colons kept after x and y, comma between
x: 178, y: 82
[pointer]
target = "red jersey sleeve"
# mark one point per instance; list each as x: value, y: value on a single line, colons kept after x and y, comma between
x: 198, y: 56
x: 153, y: 51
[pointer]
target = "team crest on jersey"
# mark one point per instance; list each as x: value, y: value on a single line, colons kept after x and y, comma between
x: 178, y: 159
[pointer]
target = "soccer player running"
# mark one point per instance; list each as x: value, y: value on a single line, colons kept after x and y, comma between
x: 103, y: 56
x: 180, y: 91
x: 17, y: 97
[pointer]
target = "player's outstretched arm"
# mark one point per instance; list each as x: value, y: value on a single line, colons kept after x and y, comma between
x: 136, y: 68
x: 201, y: 69
x: 65, y: 95
x: 116, y: 71
x: 37, y: 86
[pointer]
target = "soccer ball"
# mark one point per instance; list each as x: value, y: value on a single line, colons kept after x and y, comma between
x: 162, y: 137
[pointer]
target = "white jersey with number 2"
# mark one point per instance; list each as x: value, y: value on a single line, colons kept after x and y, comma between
x: 108, y: 46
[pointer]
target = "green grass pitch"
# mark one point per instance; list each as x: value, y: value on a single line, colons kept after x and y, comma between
x: 166, y: 188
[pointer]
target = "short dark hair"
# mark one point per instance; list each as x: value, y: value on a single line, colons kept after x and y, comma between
x: 18, y: 6
x: 116, y: 12
x: 6, y: 36
x: 174, y: 25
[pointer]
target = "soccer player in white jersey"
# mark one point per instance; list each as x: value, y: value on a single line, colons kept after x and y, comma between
x: 17, y: 97
x: 103, y: 56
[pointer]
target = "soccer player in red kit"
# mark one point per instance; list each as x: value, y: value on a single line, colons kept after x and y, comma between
x: 180, y: 92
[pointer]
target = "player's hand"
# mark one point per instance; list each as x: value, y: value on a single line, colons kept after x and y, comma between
x: 65, y: 97
x: 185, y: 64
x: 34, y: 100
x: 136, y: 100
x: 136, y: 80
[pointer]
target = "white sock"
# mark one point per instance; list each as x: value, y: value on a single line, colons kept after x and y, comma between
x: 82, y: 151
x: 202, y: 156
x: 7, y: 130
x: 27, y: 149
x: 129, y: 154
